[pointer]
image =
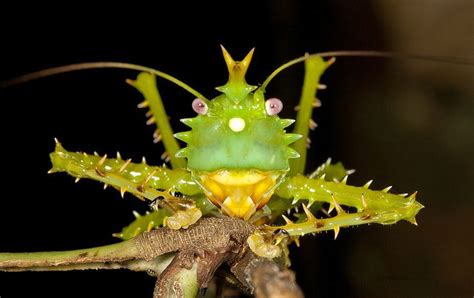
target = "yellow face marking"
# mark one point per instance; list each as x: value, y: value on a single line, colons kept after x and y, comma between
x: 239, y: 193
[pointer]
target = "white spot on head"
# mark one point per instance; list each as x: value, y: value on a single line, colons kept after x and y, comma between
x: 237, y: 124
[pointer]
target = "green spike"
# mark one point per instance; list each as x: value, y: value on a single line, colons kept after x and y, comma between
x: 237, y: 88
x: 58, y: 147
x: 188, y: 121
x: 292, y: 153
x: 286, y: 122
x: 182, y: 153
x: 184, y: 136
x: 291, y: 138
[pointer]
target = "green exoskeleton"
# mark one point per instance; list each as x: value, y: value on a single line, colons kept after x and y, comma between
x: 240, y: 160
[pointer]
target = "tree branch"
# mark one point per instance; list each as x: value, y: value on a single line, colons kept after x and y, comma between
x: 184, y: 260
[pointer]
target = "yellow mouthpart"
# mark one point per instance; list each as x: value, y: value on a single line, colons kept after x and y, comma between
x: 239, y: 193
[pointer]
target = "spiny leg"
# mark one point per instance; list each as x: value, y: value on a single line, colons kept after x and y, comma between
x: 143, y: 223
x: 372, y: 206
x: 142, y: 180
x: 327, y: 171
x: 314, y: 68
x: 273, y: 242
x: 146, y: 84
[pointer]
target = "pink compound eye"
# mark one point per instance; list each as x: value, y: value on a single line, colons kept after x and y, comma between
x: 273, y: 106
x: 199, y: 106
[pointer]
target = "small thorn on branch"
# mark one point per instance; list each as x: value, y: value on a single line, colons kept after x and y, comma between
x: 150, y: 121
x: 143, y: 104
x: 165, y: 156
x: 157, y: 136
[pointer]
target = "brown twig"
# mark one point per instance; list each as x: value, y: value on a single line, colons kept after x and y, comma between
x: 184, y: 260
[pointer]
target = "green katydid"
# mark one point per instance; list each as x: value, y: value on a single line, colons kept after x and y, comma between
x: 240, y: 160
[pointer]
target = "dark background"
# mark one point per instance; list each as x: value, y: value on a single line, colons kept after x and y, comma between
x: 402, y: 123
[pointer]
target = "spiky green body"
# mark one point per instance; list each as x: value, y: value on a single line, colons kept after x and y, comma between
x: 237, y: 133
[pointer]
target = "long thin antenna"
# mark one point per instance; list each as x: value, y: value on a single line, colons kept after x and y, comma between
x: 450, y: 60
x: 94, y: 65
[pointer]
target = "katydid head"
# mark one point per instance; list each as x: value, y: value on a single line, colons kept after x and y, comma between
x: 238, y: 128
x: 237, y: 148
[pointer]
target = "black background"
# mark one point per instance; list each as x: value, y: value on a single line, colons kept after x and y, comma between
x: 407, y: 123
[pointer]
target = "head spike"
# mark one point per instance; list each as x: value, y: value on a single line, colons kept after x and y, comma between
x: 229, y: 61
x: 286, y: 122
x: 291, y: 138
x: 292, y: 153
x: 182, y: 153
x: 236, y: 88
x: 188, y: 121
x: 184, y: 136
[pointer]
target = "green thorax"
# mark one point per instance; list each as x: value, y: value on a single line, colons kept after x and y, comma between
x: 236, y: 132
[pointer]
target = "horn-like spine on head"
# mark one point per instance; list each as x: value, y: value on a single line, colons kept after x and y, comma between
x: 236, y: 87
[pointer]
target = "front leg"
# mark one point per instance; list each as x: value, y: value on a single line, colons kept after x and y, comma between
x: 141, y: 180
